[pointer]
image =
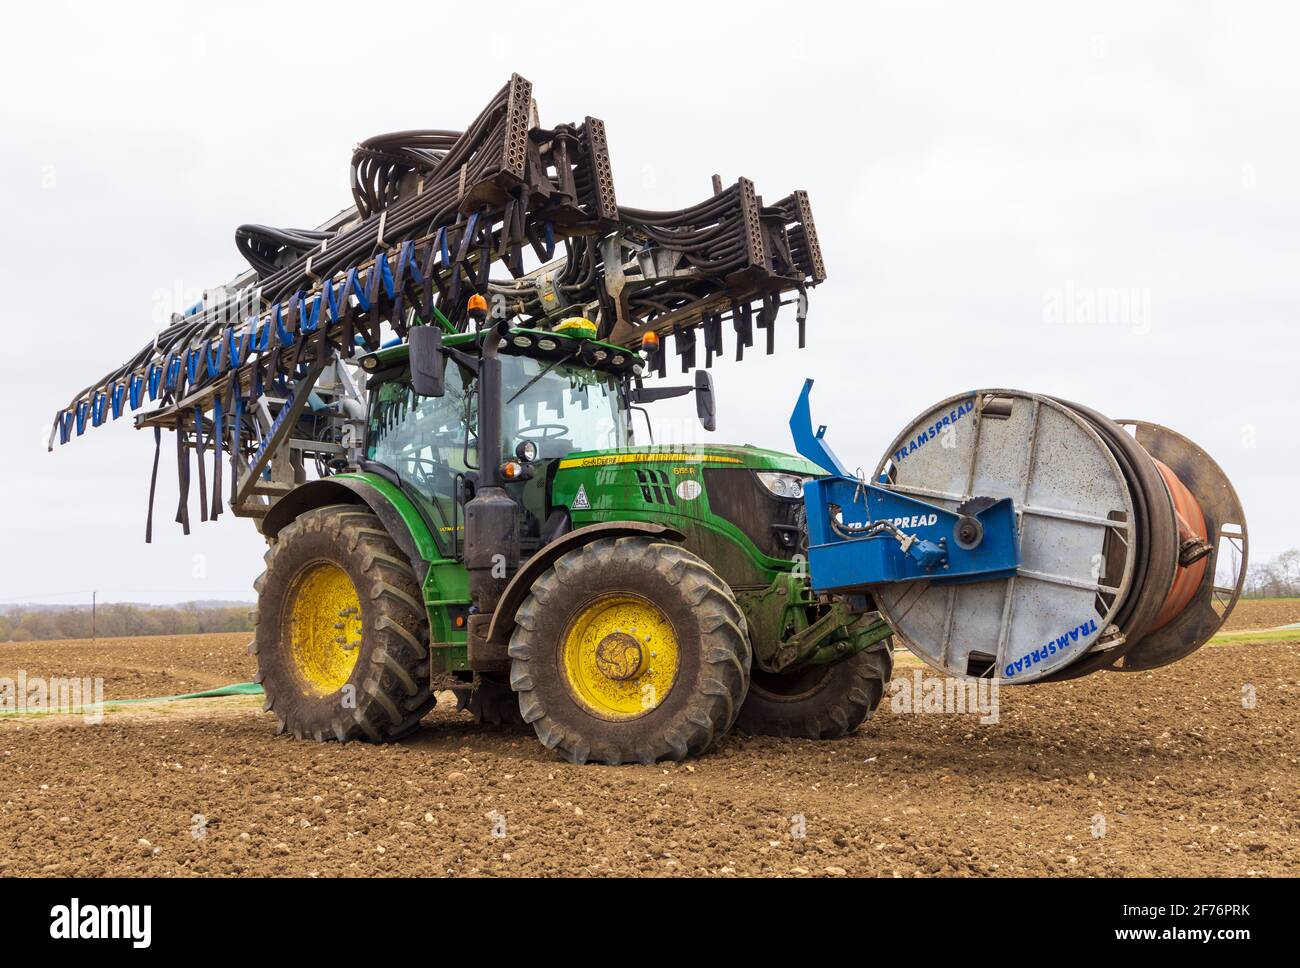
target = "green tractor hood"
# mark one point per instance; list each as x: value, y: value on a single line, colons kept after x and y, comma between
x: 711, y: 455
x: 711, y: 493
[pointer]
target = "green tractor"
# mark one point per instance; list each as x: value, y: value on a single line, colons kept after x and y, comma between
x: 508, y: 539
x: 481, y: 518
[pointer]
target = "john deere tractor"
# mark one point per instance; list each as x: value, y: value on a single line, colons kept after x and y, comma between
x: 482, y: 519
x: 507, y: 538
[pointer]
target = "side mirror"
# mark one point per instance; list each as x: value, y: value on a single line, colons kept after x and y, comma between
x: 428, y: 364
x: 705, y: 405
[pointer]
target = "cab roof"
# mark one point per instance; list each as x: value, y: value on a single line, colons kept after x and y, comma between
x: 538, y: 343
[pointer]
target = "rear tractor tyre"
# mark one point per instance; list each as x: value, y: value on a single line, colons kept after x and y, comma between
x: 629, y: 650
x: 341, y: 632
x: 818, y: 702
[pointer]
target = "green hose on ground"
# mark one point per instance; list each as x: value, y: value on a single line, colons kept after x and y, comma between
x: 233, y: 689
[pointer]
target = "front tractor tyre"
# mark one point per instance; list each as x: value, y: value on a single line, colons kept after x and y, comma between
x: 629, y: 650
x: 341, y: 633
x: 818, y: 702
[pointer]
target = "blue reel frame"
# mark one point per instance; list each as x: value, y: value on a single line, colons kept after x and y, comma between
x: 879, y: 536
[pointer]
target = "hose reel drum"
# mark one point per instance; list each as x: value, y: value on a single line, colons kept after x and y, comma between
x: 1132, y: 541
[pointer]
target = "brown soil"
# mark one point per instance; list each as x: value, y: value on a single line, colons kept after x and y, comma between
x: 1263, y: 613
x: 163, y: 665
x: 1186, y: 779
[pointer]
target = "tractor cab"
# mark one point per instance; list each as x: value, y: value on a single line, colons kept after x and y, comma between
x: 558, y: 395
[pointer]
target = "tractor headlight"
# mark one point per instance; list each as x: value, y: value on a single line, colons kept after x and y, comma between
x: 788, y: 486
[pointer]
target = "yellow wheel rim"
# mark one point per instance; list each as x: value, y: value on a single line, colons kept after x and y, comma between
x: 620, y: 657
x: 324, y: 627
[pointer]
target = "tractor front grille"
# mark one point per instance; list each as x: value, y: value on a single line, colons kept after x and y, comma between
x: 778, y: 527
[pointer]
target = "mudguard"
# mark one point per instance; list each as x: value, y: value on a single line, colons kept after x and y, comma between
x: 394, y: 509
x: 503, y: 618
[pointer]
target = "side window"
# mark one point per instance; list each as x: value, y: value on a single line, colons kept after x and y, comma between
x: 424, y: 441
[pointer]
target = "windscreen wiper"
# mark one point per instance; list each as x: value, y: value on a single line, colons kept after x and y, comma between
x: 548, y: 369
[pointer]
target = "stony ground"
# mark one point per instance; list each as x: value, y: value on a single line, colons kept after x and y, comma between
x: 1263, y: 613
x: 1168, y: 772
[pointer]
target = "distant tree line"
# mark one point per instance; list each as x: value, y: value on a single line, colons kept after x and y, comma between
x: 1279, y: 578
x: 36, y: 623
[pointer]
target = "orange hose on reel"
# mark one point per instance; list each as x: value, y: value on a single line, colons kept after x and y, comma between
x: 1191, y: 525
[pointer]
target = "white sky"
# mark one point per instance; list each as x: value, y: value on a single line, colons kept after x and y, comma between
x: 969, y: 164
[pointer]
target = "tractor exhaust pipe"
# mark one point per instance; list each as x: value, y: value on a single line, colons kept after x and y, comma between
x: 491, y: 521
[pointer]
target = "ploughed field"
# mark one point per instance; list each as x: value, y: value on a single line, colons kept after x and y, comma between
x: 1190, y: 769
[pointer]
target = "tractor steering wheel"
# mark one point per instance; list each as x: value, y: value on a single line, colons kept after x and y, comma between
x: 560, y: 430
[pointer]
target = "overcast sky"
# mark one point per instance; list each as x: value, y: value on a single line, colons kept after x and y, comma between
x: 980, y: 173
